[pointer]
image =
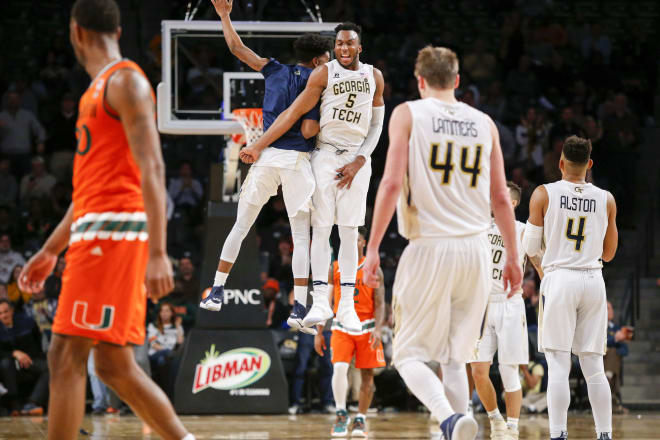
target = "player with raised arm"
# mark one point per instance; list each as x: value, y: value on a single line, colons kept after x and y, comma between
x: 577, y: 222
x: 115, y: 231
x: 352, y: 112
x: 365, y: 345
x: 505, y: 332
x: 286, y: 163
x: 445, y: 167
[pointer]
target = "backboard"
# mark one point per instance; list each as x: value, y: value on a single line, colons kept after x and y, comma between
x: 202, y: 82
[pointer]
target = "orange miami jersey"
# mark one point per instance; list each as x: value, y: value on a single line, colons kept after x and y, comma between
x: 345, y: 343
x: 103, y: 293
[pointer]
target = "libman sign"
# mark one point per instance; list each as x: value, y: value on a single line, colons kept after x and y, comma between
x: 230, y: 370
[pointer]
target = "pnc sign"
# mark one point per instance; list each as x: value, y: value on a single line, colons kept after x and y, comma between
x: 230, y: 370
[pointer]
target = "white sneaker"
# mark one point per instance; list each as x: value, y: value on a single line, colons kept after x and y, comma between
x: 347, y: 316
x: 318, y: 314
x: 511, y: 434
x: 498, y: 429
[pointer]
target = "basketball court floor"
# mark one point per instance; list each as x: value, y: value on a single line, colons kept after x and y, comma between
x: 634, y: 426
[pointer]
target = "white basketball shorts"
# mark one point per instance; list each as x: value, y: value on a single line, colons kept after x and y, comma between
x: 440, y: 296
x: 334, y: 206
x: 298, y: 185
x: 573, y: 311
x: 505, y: 332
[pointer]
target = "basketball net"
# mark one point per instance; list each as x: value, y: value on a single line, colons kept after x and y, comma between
x: 252, y: 121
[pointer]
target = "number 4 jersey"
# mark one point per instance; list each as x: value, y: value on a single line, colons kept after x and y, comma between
x: 447, y: 186
x: 574, y: 226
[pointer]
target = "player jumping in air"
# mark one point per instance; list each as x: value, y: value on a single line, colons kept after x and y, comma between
x: 352, y: 112
x: 286, y: 163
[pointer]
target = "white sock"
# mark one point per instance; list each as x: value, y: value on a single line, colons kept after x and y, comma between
x: 559, y: 393
x: 454, y: 377
x: 495, y: 414
x: 600, y: 395
x: 512, y: 423
x: 340, y: 384
x: 300, y: 294
x: 427, y: 387
x: 189, y: 437
x: 220, y: 278
x: 360, y: 415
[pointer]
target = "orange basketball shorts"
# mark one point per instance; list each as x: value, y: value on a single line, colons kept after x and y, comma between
x: 344, y: 346
x: 103, y: 293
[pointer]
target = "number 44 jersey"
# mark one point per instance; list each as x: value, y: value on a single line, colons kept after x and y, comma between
x: 446, y: 190
x: 574, y: 226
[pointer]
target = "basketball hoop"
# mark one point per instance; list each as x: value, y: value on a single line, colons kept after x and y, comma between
x: 252, y: 121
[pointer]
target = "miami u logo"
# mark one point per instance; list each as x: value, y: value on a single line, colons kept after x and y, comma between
x: 79, y: 318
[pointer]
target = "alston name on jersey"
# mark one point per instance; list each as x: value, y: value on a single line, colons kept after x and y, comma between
x: 577, y: 204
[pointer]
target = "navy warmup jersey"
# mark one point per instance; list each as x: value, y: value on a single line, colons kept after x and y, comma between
x: 284, y: 82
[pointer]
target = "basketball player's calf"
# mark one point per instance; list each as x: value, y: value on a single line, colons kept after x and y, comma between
x: 513, y: 397
x: 116, y: 367
x: 67, y: 365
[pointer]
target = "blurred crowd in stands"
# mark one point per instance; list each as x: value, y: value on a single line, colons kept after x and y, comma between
x: 542, y: 70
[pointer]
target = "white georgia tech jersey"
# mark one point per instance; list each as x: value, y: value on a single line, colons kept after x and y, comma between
x: 346, y: 105
x: 499, y: 254
x: 574, y: 226
x: 447, y: 186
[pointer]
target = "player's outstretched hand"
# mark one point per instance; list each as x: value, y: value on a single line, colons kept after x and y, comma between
x: 36, y: 271
x: 159, y: 278
x: 512, y: 277
x: 370, y: 270
x: 319, y: 343
x: 222, y: 7
x: 249, y: 155
x: 347, y: 173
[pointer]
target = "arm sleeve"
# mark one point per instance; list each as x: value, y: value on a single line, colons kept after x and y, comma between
x: 532, y: 239
x: 375, y: 128
x: 314, y: 114
x: 271, y: 67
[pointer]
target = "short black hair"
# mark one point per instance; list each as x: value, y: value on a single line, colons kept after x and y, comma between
x: 515, y: 190
x: 6, y: 301
x: 349, y: 26
x: 309, y: 46
x: 577, y: 150
x: 363, y: 232
x: 97, y: 15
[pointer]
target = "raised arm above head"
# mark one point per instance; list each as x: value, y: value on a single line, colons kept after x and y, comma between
x: 234, y: 42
